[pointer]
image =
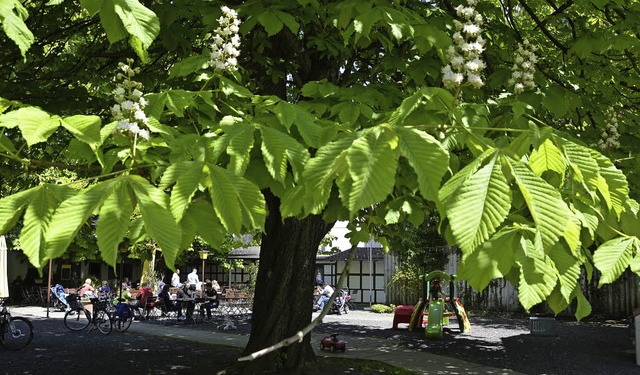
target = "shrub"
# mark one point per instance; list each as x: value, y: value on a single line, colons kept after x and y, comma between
x: 382, y: 309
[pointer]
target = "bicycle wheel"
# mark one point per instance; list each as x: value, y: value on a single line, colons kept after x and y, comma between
x: 17, y: 334
x: 77, y: 319
x: 103, y: 322
x: 122, y: 324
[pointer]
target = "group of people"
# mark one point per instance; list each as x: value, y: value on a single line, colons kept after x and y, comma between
x: 86, y: 291
x: 185, y: 295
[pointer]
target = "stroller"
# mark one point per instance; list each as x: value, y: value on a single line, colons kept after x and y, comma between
x: 58, y: 299
x: 341, y: 304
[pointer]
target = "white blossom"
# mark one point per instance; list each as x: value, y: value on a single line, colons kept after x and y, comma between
x: 129, y: 110
x: 226, y: 41
x: 464, y: 56
x: 610, y: 136
x: 522, y: 71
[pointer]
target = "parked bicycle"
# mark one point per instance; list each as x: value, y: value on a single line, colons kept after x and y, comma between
x: 122, y: 315
x: 79, y: 318
x: 16, y: 332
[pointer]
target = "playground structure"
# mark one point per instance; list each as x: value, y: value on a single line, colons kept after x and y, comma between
x: 433, y: 310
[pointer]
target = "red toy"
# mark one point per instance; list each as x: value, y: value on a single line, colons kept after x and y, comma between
x: 333, y: 343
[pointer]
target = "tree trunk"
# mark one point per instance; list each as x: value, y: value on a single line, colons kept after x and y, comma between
x: 284, y: 291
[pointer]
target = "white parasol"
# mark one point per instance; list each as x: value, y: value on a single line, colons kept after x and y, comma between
x: 4, y: 283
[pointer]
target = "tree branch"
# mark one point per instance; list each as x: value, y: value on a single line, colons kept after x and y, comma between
x: 542, y: 27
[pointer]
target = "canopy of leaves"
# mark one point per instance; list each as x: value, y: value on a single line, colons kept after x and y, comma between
x: 337, y: 107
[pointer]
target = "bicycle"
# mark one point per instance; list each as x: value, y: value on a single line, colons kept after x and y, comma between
x: 79, y: 318
x: 122, y: 315
x: 16, y: 332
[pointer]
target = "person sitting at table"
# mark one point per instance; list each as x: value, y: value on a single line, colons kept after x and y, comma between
x: 123, y: 294
x: 212, y: 300
x: 86, y: 290
x: 168, y: 303
x: 216, y: 286
x: 104, y: 290
x: 185, y: 296
x: 144, y: 293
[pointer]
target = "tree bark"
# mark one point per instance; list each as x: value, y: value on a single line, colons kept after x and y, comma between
x: 284, y: 291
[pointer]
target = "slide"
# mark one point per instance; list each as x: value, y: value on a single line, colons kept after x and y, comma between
x: 434, y: 325
x: 461, y: 314
x: 415, y: 316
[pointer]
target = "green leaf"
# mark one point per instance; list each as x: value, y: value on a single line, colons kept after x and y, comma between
x: 239, y: 139
x: 14, y: 26
x: 207, y: 224
x: 36, y: 125
x: 72, y: 213
x: 287, y: 113
x: 613, y: 257
x: 278, y: 148
x: 372, y: 161
x: 85, y: 128
x: 537, y: 276
x: 37, y: 217
x: 189, y: 175
x: 158, y: 221
x: 236, y: 200
x: 547, y: 157
x: 549, y: 211
x: 555, y: 101
x: 189, y: 65
x: 177, y: 100
x: 11, y: 208
x: 92, y: 6
x: 480, y: 205
x: 492, y: 260
x: 427, y: 158
x: 293, y: 201
x: 229, y: 87
x: 271, y: 22
x: 113, y: 221
x: 618, y: 188
x: 453, y: 184
x: 321, y: 171
x: 583, y: 307
x: 111, y: 22
x: 138, y: 20
x: 289, y: 21
x: 582, y: 164
x: 568, y: 268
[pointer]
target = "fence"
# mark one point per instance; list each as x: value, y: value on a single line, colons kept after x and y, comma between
x: 616, y: 300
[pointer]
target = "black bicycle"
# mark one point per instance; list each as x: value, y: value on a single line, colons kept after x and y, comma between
x: 122, y: 315
x: 16, y: 332
x: 79, y: 318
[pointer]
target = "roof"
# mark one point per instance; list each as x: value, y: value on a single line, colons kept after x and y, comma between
x: 251, y: 252
x: 362, y: 253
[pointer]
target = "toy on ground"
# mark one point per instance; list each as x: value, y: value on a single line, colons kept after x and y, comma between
x: 333, y: 343
x: 432, y: 311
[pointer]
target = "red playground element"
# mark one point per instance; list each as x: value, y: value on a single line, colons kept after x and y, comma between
x: 402, y: 315
x: 333, y: 343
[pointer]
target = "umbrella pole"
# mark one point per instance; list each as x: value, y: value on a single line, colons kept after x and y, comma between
x: 49, y: 288
x: 120, y: 278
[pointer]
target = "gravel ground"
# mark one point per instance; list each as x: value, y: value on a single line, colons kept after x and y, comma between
x: 578, y: 348
x: 604, y: 347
